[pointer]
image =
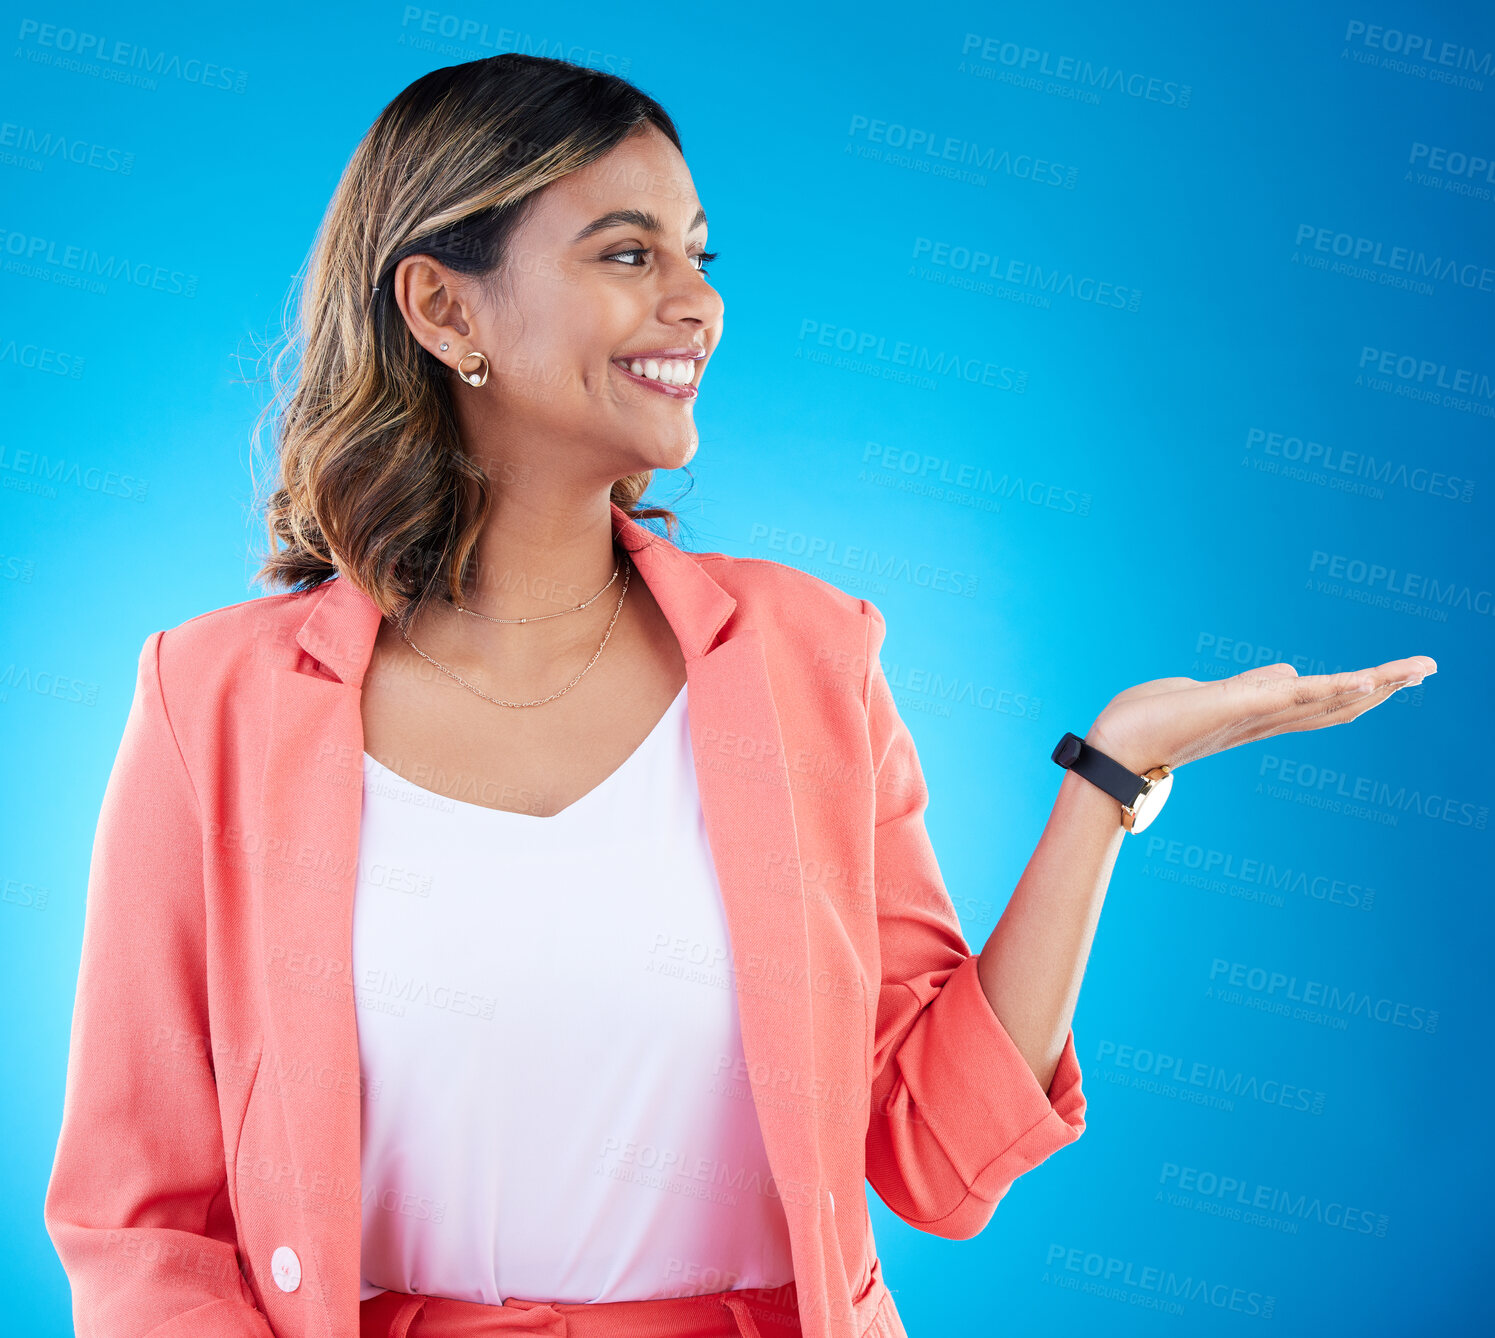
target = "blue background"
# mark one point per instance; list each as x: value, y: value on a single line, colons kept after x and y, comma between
x: 1121, y: 512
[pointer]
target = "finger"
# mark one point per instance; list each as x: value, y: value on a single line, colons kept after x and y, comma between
x: 1157, y: 686
x: 1280, y: 670
x: 1266, y: 697
x: 1306, y: 696
x: 1366, y: 689
x: 1413, y: 667
x: 1337, y: 710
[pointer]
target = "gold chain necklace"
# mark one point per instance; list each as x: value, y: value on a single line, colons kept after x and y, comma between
x: 452, y: 673
x: 462, y: 608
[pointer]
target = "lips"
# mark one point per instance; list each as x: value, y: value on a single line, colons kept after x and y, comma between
x: 688, y: 352
x: 681, y: 358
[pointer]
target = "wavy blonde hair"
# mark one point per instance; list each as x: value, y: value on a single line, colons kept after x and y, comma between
x: 371, y: 481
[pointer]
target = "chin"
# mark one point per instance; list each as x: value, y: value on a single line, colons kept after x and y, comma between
x: 675, y: 456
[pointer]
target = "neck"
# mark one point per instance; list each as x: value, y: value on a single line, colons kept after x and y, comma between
x: 537, y: 560
x: 536, y: 557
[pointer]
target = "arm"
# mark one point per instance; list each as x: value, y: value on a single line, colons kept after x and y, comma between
x: 958, y: 1112
x: 1034, y: 960
x: 137, y: 1206
x: 1032, y: 964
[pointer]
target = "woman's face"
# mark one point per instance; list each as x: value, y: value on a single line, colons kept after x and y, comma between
x: 605, y: 268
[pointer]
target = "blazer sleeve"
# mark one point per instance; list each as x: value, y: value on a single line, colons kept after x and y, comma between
x: 137, y: 1205
x: 956, y: 1112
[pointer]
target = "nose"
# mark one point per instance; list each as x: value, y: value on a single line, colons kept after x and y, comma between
x: 689, y: 296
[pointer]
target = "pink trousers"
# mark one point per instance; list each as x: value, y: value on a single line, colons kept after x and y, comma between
x: 757, y: 1312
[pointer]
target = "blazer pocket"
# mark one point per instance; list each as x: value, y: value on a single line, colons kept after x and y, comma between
x: 238, y: 1143
x: 873, y: 1311
x: 250, y: 1156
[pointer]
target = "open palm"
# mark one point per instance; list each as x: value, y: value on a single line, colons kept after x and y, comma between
x: 1178, y: 720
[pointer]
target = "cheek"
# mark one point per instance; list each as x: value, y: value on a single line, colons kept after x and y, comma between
x: 565, y: 331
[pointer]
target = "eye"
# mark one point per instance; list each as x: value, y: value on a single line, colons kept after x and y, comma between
x: 706, y: 257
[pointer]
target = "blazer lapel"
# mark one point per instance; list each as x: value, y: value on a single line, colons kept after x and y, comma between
x: 311, y: 806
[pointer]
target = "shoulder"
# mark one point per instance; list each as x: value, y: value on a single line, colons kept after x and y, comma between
x: 225, y: 654
x: 246, y: 628
x: 805, y: 618
x: 761, y: 584
x: 209, y: 672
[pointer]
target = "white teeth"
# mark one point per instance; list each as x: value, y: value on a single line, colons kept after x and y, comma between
x: 672, y: 371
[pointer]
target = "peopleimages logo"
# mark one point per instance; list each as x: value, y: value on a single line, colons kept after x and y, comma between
x: 1340, y: 1000
x: 1426, y: 372
x: 854, y: 557
x: 1217, y: 1085
x: 1325, y: 787
x: 26, y: 144
x: 1452, y: 161
x: 1450, y: 170
x: 921, y: 145
x: 1398, y: 260
x: 1107, y: 1276
x: 1036, y: 63
x: 1261, y: 871
x: 1246, y: 1199
x: 870, y: 349
x: 76, y: 48
x: 1416, y: 46
x: 1342, y: 465
x: 1426, y: 379
x: 1056, y: 282
x: 78, y: 265
x: 1393, y: 581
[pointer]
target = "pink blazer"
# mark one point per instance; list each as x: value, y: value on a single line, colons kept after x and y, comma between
x: 206, y: 1179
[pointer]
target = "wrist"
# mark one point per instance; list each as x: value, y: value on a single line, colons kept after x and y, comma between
x: 1120, y: 745
x: 1086, y: 799
x: 1117, y: 764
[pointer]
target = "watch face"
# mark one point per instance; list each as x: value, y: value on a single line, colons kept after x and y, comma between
x: 1151, y: 804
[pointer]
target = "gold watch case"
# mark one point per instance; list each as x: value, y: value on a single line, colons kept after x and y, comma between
x: 1150, y: 802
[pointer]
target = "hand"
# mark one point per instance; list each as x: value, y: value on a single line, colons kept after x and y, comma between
x: 1177, y: 720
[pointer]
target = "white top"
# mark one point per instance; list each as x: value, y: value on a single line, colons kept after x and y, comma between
x: 554, y: 1105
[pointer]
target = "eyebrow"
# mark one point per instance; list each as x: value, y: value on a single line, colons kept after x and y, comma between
x: 637, y: 218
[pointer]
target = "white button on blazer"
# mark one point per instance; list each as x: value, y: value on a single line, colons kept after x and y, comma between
x: 285, y: 1268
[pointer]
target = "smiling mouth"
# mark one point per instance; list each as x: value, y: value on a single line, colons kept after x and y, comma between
x: 669, y: 376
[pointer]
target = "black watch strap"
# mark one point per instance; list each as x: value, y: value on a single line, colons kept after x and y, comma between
x: 1121, y: 783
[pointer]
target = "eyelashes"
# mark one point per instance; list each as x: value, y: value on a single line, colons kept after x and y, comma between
x: 706, y: 257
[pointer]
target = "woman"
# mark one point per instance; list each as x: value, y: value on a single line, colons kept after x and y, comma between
x: 524, y: 924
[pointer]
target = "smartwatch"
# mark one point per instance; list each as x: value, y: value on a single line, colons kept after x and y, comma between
x: 1141, y: 797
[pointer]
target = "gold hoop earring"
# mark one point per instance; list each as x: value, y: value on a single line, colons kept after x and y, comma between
x: 474, y: 378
